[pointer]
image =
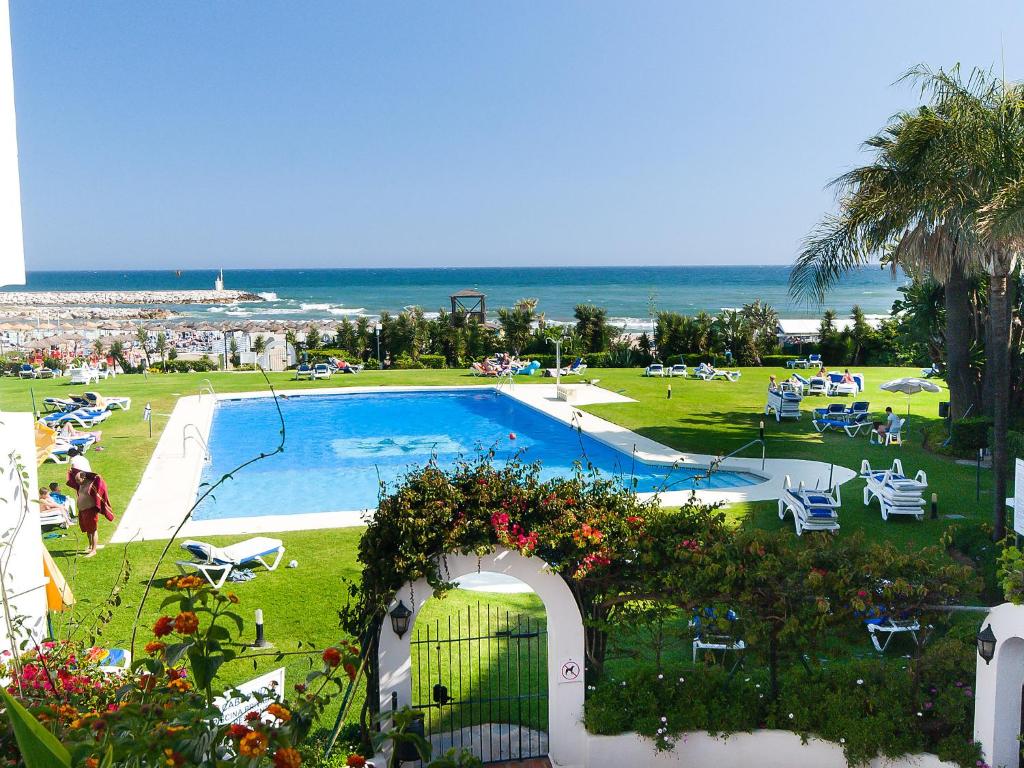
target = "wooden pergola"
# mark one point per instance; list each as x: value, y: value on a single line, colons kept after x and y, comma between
x: 470, y: 303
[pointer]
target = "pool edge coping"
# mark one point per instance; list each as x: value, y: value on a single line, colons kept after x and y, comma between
x: 160, y: 500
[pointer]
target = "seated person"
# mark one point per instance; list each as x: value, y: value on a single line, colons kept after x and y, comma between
x: 55, y: 493
x: 773, y: 385
x: 848, y: 377
x: 891, y: 423
x: 47, y: 504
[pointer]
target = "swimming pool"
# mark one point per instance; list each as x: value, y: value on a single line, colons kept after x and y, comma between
x: 339, y: 447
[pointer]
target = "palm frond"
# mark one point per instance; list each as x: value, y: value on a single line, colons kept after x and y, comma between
x: 828, y: 253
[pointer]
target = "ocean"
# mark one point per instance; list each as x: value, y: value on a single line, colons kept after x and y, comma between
x: 631, y: 295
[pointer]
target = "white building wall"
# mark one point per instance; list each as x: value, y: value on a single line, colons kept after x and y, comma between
x: 23, y: 612
x: 12, y: 249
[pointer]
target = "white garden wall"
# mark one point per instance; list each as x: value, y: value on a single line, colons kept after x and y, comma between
x: 21, y: 546
x: 997, y: 692
x: 764, y: 749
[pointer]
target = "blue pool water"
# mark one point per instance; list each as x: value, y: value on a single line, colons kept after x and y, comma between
x: 339, y: 447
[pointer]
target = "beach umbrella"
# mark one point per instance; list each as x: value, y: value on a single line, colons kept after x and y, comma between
x: 909, y: 385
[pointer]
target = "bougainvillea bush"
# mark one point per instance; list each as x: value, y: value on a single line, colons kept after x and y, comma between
x: 64, y: 711
x: 627, y: 561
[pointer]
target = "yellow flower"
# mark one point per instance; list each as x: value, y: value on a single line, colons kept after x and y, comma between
x: 282, y: 714
x: 253, y: 744
x: 232, y: 597
x: 179, y: 685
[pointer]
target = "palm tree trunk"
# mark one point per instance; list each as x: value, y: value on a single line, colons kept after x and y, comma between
x: 998, y: 354
x: 963, y: 391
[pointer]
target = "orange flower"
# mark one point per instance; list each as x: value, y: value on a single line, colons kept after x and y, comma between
x: 91, y: 762
x: 253, y: 744
x: 164, y: 626
x: 282, y: 714
x: 332, y: 657
x: 355, y: 761
x: 172, y: 758
x: 186, y: 622
x: 232, y: 598
x: 179, y: 685
x: 286, y: 757
x: 155, y: 647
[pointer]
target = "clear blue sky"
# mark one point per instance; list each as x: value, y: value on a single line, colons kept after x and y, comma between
x: 276, y: 134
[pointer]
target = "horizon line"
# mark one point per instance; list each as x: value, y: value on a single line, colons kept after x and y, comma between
x: 446, y: 267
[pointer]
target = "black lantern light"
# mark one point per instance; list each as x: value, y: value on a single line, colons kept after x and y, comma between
x: 400, y: 616
x: 987, y: 643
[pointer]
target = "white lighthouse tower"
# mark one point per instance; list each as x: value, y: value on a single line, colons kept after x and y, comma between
x: 218, y: 284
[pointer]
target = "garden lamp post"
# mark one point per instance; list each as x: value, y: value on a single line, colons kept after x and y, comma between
x: 987, y: 643
x: 558, y: 356
x: 400, y: 616
x: 376, y: 332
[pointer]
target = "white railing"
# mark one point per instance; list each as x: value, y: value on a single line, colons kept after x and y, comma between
x: 206, y: 388
x: 195, y: 435
x: 506, y: 379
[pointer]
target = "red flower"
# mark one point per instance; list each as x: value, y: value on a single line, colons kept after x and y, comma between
x: 287, y: 757
x: 332, y: 657
x: 186, y: 622
x: 355, y: 761
x: 164, y: 626
x: 237, y: 730
x: 350, y: 670
x: 250, y: 716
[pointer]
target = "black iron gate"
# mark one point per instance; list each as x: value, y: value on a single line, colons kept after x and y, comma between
x: 480, y: 678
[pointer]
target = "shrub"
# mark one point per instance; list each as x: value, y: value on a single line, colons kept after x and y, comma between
x: 435, y: 362
x: 54, y: 364
x: 869, y: 707
x: 969, y: 435
x: 405, y: 362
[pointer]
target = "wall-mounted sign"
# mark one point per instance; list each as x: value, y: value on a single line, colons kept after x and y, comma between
x: 244, y: 699
x: 571, y: 672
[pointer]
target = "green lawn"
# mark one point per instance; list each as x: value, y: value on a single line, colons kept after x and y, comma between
x: 300, y: 605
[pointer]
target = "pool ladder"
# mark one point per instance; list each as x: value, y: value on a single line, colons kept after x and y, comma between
x: 509, y: 379
x: 715, y: 464
x: 206, y: 388
x: 197, y: 436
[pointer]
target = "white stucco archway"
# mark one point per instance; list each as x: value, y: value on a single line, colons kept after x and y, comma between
x: 997, y: 706
x: 567, y: 737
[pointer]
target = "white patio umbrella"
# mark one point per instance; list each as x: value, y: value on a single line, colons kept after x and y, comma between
x: 910, y: 386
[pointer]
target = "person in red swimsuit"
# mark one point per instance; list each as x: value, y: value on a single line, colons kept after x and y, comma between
x: 93, y: 501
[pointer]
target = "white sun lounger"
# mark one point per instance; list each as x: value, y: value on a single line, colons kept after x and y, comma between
x: 216, y: 563
x: 889, y: 627
x: 321, y: 371
x: 897, y: 494
x: 654, y: 369
x: 110, y: 402
x: 679, y: 369
x: 707, y: 374
x: 85, y: 375
x: 812, y: 510
x: 785, y: 405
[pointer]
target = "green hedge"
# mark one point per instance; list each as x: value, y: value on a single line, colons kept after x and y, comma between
x: 971, y: 434
x: 434, y: 362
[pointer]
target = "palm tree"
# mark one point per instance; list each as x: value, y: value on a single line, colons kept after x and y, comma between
x: 117, y: 352
x: 291, y: 339
x: 142, y: 337
x: 97, y: 347
x: 517, y: 323
x: 161, y: 349
x: 259, y: 346
x: 939, y: 195
x: 764, y: 322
